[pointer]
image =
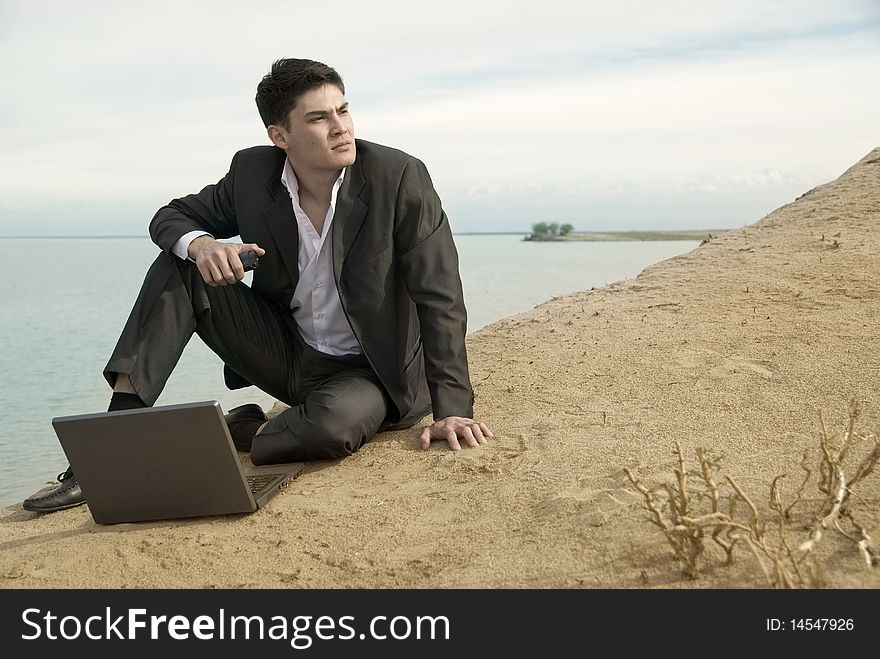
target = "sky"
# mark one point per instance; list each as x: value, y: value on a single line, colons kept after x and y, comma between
x: 624, y: 115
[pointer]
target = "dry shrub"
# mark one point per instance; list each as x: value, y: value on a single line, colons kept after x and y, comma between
x: 697, y: 507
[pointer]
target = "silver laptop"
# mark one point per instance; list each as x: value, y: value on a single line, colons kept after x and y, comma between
x: 164, y: 462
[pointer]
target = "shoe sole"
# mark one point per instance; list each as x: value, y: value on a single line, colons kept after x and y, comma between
x: 53, y: 509
x: 249, y: 412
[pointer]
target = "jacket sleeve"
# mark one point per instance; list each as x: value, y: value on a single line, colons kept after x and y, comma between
x: 428, y: 260
x: 211, y: 210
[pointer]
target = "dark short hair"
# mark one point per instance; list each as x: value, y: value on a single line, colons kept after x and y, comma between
x: 289, y: 79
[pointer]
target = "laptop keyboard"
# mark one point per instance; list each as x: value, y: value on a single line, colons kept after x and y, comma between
x: 259, y: 483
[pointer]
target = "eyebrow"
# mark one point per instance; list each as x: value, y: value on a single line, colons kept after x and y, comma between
x: 323, y: 113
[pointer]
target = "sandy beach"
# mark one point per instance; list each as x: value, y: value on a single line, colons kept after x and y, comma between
x: 735, y: 346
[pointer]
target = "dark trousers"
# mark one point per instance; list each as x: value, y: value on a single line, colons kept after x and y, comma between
x: 337, y: 403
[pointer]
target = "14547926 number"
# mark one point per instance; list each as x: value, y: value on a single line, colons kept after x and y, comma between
x: 821, y: 624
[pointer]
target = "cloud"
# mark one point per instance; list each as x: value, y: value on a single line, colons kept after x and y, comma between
x: 119, y: 105
x: 764, y: 180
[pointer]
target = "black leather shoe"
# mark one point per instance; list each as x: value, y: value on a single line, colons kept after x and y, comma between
x: 67, y: 494
x: 243, y: 422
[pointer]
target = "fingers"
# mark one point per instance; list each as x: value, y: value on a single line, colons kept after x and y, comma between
x: 227, y: 267
x: 220, y: 264
x: 218, y: 270
x: 236, y: 268
x: 452, y: 438
x: 234, y: 256
x: 205, y: 270
x: 467, y: 434
x: 212, y: 273
x: 456, y: 430
x: 474, y: 433
x: 437, y: 430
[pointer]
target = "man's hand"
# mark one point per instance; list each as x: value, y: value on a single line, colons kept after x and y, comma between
x: 219, y: 263
x: 453, y: 428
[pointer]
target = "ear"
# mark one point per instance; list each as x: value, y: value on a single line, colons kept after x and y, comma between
x: 278, y: 136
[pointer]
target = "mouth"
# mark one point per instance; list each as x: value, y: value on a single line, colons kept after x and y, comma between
x: 341, y: 145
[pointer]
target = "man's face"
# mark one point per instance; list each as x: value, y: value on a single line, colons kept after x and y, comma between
x: 320, y: 133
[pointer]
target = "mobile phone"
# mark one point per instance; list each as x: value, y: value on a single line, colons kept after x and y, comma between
x: 249, y: 260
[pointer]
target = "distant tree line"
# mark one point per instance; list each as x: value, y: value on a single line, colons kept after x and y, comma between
x: 551, y: 231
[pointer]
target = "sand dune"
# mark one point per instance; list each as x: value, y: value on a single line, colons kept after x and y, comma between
x: 733, y: 346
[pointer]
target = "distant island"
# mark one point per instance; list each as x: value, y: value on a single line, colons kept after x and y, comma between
x: 543, y: 232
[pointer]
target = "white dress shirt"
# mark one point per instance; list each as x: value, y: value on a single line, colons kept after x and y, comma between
x: 315, y: 305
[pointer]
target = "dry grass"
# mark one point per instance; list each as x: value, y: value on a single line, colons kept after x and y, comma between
x: 698, y: 506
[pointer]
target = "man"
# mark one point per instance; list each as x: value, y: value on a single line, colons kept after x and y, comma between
x: 355, y: 317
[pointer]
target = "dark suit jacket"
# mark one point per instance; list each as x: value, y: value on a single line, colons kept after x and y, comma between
x: 394, y: 260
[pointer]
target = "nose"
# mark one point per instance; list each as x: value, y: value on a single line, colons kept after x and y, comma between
x: 337, y: 126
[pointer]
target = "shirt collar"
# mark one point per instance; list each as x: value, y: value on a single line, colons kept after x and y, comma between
x: 288, y: 179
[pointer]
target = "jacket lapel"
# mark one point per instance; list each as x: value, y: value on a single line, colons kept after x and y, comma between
x: 349, y: 216
x: 282, y: 223
x: 347, y: 221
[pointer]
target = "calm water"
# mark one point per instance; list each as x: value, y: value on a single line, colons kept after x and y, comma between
x: 65, y: 301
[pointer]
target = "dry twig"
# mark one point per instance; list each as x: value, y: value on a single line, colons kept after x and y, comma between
x: 689, y: 509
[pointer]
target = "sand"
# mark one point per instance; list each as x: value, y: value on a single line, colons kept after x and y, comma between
x: 734, y: 346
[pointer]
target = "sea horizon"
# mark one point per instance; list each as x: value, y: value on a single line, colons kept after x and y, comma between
x: 523, y: 232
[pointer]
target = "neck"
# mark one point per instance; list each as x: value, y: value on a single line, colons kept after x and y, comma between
x: 315, y: 184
